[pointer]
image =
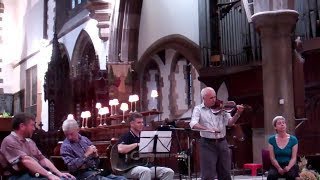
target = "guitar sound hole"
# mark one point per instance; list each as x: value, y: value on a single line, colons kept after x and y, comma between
x: 135, y: 156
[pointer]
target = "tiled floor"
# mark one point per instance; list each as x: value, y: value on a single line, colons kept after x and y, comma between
x: 250, y: 177
x: 240, y: 177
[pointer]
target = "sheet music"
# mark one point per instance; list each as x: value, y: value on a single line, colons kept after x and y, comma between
x: 147, y: 141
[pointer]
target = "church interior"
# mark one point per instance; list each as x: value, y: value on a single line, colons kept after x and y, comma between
x: 101, y: 60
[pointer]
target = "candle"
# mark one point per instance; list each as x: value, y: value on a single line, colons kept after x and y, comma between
x: 124, y: 107
x: 82, y: 119
x: 154, y: 94
x: 135, y: 99
x: 116, y: 102
x: 131, y: 99
x: 105, y: 112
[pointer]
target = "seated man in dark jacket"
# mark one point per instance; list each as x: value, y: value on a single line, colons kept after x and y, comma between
x: 80, y: 155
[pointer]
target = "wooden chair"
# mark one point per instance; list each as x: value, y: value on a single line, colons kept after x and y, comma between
x: 4, y: 165
x: 1, y: 172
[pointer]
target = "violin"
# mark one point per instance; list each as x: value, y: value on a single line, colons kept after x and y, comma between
x: 227, y: 106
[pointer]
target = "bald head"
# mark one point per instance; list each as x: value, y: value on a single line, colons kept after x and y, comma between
x: 208, y: 95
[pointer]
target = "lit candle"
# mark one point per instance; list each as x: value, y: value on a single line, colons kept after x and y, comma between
x: 124, y: 107
x: 111, y: 103
x: 105, y: 112
x: 135, y: 99
x: 116, y: 103
x: 154, y: 94
x: 100, y: 112
x: 87, y: 115
x: 82, y: 119
x: 131, y: 99
x: 98, y: 105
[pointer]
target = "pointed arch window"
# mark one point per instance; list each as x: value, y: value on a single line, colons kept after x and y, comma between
x: 189, y: 83
x: 75, y: 3
x: 31, y: 90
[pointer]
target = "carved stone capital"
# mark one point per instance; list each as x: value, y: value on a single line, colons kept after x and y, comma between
x: 275, y: 23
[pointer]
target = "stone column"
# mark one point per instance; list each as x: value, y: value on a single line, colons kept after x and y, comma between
x: 116, y: 31
x: 258, y: 141
x: 130, y: 30
x: 276, y: 29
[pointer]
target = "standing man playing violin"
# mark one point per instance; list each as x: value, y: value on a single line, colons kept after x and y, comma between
x: 215, y: 158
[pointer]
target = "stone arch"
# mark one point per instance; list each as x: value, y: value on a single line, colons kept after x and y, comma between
x: 83, y: 46
x: 181, y: 47
x: 65, y: 58
x: 64, y: 52
x: 153, y: 64
x: 85, y: 69
x: 181, y: 44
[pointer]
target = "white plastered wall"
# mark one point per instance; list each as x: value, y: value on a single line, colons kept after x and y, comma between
x: 23, y: 35
x: 166, y: 17
x: 22, y: 32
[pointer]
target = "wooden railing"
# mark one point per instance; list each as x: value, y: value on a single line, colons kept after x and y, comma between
x: 6, y: 124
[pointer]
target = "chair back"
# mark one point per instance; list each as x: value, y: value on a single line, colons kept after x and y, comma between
x: 4, y: 167
x: 266, y: 162
x: 114, y: 158
x: 2, y: 164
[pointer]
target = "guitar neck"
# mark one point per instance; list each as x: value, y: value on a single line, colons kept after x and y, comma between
x: 146, y: 155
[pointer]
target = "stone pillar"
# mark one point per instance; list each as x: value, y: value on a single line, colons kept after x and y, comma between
x: 275, y: 29
x: 130, y: 30
x: 116, y: 31
x: 258, y: 141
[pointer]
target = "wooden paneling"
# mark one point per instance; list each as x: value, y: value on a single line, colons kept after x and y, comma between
x: 309, y: 133
x: 6, y: 124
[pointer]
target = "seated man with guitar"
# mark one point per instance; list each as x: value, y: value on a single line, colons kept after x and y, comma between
x: 128, y: 144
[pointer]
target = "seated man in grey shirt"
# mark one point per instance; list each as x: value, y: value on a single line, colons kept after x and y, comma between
x: 22, y: 154
x: 80, y: 155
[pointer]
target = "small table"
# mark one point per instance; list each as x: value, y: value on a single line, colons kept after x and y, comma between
x: 253, y: 168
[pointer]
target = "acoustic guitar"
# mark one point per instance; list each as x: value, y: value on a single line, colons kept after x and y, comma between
x: 121, y: 163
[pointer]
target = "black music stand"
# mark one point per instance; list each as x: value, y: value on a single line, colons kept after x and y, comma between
x: 156, y: 143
